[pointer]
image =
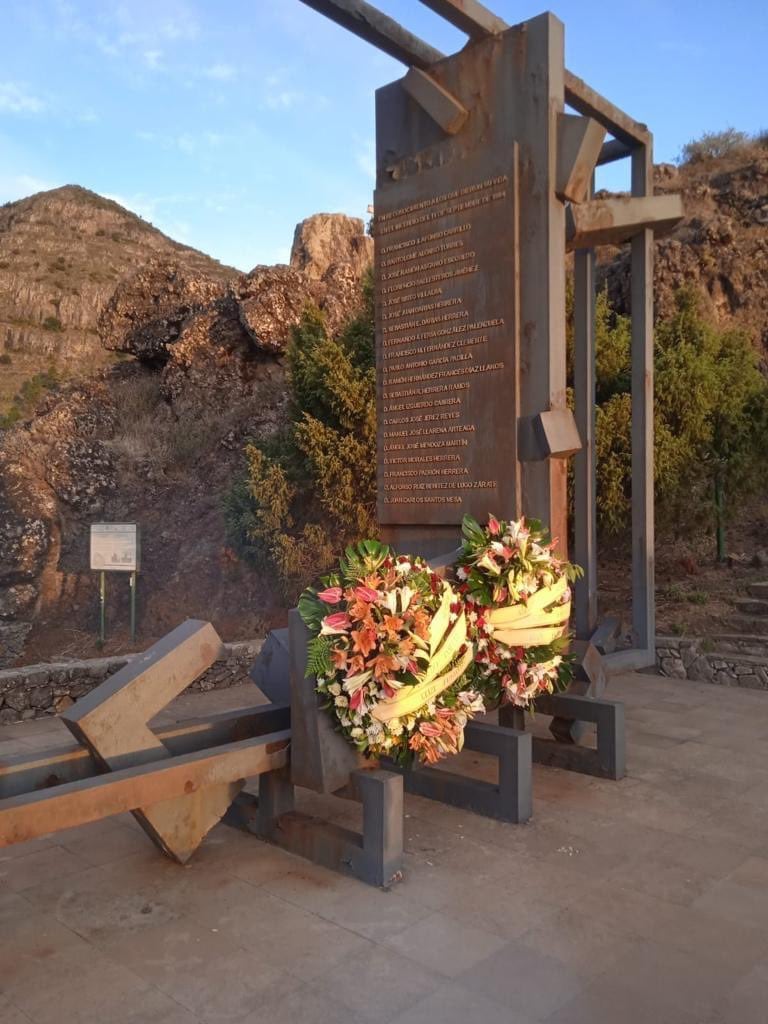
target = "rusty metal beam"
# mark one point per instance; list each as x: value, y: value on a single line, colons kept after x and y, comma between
x: 441, y: 105
x: 25, y: 773
x: 616, y: 220
x: 579, y: 140
x: 29, y: 816
x: 586, y: 101
x: 379, y: 29
x: 612, y: 151
x: 468, y: 16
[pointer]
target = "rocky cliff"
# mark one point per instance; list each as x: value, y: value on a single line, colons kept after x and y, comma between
x: 720, y: 248
x: 62, y: 254
x: 156, y: 439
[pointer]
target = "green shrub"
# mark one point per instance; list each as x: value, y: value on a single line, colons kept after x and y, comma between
x: 29, y: 394
x: 710, y: 420
x: 311, y: 489
x: 52, y: 323
x: 5, y: 359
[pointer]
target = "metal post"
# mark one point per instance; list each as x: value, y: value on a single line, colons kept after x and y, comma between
x: 585, y: 546
x: 643, y: 596
x: 102, y: 605
x: 132, y: 584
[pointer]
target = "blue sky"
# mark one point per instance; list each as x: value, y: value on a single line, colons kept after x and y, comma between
x: 224, y: 122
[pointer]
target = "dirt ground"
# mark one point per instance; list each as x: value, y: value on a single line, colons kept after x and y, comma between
x: 694, y: 593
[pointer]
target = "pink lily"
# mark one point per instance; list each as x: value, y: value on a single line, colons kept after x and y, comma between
x: 493, y: 525
x: 331, y: 595
x: 339, y: 622
x: 367, y: 594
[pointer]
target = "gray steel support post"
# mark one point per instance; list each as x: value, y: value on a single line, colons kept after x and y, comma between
x: 542, y: 268
x: 643, y: 563
x: 585, y: 511
x: 276, y: 797
x: 380, y: 859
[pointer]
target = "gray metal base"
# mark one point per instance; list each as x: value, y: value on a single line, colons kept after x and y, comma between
x: 374, y: 856
x: 608, y: 761
x: 510, y: 800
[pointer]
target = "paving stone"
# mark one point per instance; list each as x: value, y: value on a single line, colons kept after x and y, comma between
x: 445, y: 944
x: 305, y: 1005
x: 204, y: 971
x: 641, y: 901
x: 379, y: 983
x: 451, y: 1004
x: 525, y: 980
x: 20, y: 873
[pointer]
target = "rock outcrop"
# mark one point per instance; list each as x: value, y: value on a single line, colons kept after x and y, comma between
x: 157, y: 440
x: 326, y: 239
x: 720, y: 248
x: 62, y: 253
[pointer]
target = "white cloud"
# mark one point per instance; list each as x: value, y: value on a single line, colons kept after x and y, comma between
x: 88, y: 117
x: 14, y: 99
x: 220, y: 72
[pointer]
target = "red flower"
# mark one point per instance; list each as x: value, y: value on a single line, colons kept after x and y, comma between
x: 367, y: 594
x: 493, y: 526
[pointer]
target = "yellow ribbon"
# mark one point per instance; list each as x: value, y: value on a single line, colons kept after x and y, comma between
x: 445, y: 641
x: 530, y: 625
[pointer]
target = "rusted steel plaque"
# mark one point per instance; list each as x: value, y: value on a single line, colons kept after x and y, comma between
x: 446, y: 305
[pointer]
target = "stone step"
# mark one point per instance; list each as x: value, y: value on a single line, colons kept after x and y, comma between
x: 752, y: 606
x: 758, y: 590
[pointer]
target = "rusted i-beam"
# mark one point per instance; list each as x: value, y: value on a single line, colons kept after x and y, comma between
x: 468, y: 16
x: 379, y: 29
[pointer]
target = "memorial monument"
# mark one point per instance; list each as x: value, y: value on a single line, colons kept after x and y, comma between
x: 484, y: 181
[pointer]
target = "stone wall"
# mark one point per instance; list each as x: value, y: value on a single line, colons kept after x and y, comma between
x: 38, y: 690
x: 728, y: 660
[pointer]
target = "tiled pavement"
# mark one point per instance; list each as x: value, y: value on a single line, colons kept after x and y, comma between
x: 639, y: 902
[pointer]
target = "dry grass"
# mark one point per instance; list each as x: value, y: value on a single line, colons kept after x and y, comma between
x: 167, y: 440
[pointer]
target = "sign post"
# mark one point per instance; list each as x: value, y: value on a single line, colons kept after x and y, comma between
x: 115, y: 548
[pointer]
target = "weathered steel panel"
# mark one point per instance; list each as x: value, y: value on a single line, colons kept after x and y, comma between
x: 488, y: 191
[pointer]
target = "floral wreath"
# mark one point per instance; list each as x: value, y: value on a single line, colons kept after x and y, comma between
x: 518, y: 600
x: 390, y: 653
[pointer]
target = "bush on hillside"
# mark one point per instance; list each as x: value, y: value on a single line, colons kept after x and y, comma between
x: 28, y: 395
x: 711, y: 421
x: 715, y: 146
x: 311, y: 489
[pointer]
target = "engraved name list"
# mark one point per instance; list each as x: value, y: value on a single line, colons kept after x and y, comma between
x: 445, y: 317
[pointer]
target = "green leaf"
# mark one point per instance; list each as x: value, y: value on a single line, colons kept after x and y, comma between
x: 319, y: 656
x: 311, y: 610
